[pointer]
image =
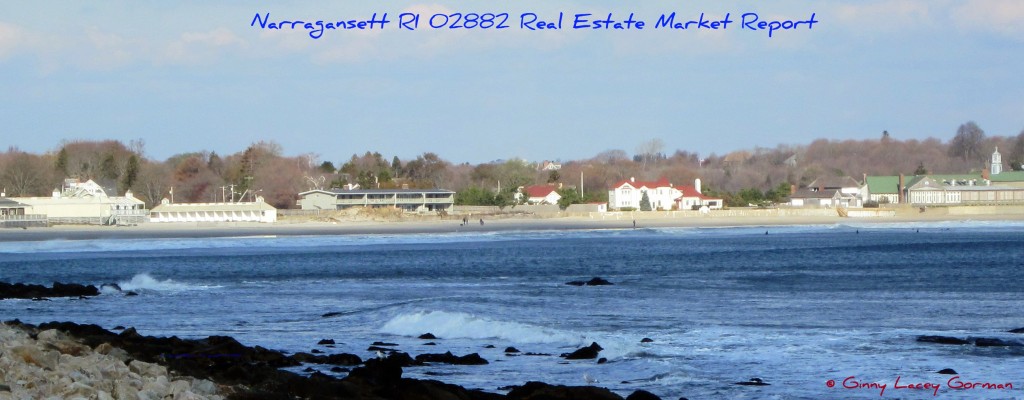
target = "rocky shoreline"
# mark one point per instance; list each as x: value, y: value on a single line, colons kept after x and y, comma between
x: 72, y: 360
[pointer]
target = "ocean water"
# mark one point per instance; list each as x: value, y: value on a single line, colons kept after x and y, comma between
x: 798, y: 307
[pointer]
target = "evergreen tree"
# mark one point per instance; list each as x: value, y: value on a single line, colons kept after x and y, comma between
x: 645, y: 202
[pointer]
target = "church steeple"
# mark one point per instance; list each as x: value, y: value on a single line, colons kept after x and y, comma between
x: 997, y: 162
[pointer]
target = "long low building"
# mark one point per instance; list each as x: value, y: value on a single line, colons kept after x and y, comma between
x: 406, y: 199
x: 257, y: 211
x: 86, y: 203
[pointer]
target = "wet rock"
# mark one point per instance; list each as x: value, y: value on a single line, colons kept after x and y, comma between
x: 378, y: 348
x: 490, y: 346
x: 995, y: 342
x: 753, y: 382
x: 430, y: 344
x: 110, y: 286
x: 575, y: 283
x: 947, y: 371
x: 332, y: 314
x: 428, y: 336
x: 1018, y: 330
x: 598, y: 282
x: 325, y: 341
x: 602, y: 360
x: 540, y: 390
x: 339, y: 370
x: 316, y: 351
x: 584, y: 353
x: 642, y: 395
x: 511, y: 349
x: 941, y: 340
x: 646, y: 340
x: 449, y: 358
x: 33, y: 291
x: 131, y: 293
x: 383, y: 344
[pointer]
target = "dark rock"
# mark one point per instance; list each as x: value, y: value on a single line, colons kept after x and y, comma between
x: 4, y: 388
x: 339, y: 370
x: 40, y: 299
x: 309, y: 369
x: 119, y: 328
x: 947, y: 371
x: 449, y: 358
x: 325, y: 341
x: 378, y: 348
x: 537, y: 354
x: 576, y: 283
x: 646, y: 340
x: 584, y: 353
x: 941, y: 340
x: 130, y: 293
x: 32, y: 291
x: 430, y: 344
x: 344, y: 359
x: 511, y: 349
x: 994, y: 342
x: 383, y: 344
x: 1018, y: 330
x: 642, y: 395
x: 428, y: 336
x: 332, y: 314
x: 753, y: 382
x: 598, y: 282
x: 256, y: 372
x: 602, y: 360
x: 544, y: 391
x: 490, y: 346
x: 316, y: 351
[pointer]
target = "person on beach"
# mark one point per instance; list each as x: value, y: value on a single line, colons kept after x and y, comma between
x: 481, y: 222
x: 634, y: 224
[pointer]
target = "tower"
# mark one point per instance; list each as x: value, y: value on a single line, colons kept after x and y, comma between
x: 997, y: 162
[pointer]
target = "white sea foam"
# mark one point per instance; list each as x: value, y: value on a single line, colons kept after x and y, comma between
x: 458, y: 325
x: 147, y: 282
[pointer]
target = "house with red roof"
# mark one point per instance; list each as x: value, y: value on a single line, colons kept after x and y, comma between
x: 661, y: 193
x: 540, y: 194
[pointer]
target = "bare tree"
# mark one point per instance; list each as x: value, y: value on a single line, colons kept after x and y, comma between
x: 24, y: 174
x: 967, y: 142
x: 649, y: 151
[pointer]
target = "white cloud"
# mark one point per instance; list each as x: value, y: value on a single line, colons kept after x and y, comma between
x: 201, y: 47
x: 11, y: 38
x: 896, y: 15
x: 1001, y: 16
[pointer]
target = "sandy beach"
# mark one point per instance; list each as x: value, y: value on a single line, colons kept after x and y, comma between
x: 299, y: 227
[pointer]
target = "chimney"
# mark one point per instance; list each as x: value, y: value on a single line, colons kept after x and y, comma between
x: 984, y: 174
x: 632, y: 179
x: 696, y: 185
x: 792, y: 189
x: 865, y: 181
x: 899, y: 191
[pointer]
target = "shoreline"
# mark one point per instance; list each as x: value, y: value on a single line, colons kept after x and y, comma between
x: 315, y: 228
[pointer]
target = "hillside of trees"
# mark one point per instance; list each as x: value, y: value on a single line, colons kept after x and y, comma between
x: 262, y: 169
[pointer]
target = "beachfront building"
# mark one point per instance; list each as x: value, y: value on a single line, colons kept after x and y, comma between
x: 539, y: 194
x: 931, y: 190
x: 17, y: 215
x: 627, y: 194
x: 86, y: 203
x: 412, y: 200
x: 690, y: 198
x: 254, y: 211
x: 882, y: 189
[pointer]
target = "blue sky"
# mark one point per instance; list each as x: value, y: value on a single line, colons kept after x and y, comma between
x: 194, y: 75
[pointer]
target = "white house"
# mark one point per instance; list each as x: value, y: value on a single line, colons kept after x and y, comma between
x: 540, y: 194
x: 257, y: 211
x: 661, y: 194
x: 87, y: 203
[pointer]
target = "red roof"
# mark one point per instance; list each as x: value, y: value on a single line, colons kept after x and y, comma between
x: 690, y: 191
x: 539, y: 190
x: 662, y: 182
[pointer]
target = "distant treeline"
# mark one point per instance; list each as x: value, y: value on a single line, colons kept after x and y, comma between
x: 261, y: 169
